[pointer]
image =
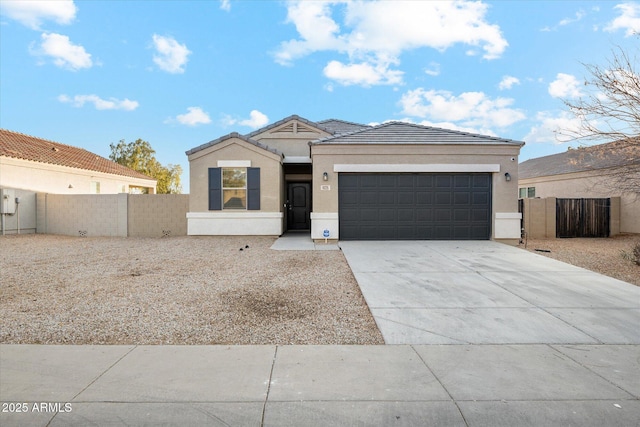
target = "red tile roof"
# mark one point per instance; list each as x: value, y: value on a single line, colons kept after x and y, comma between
x: 20, y: 146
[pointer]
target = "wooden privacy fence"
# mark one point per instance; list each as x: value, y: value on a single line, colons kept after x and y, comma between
x: 582, y: 217
x: 548, y: 218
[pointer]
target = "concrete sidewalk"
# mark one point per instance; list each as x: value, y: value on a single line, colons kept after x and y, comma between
x: 449, y: 385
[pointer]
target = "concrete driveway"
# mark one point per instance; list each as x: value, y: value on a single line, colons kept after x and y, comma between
x: 444, y: 292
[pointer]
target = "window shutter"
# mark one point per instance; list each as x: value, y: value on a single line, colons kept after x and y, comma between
x: 253, y: 189
x: 215, y: 189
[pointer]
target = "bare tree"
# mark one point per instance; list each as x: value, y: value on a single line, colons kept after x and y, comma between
x: 610, y: 112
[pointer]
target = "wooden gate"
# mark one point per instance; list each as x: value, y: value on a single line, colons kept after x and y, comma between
x: 582, y: 217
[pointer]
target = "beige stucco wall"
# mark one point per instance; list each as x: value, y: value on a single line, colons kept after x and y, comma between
x: 48, y: 178
x: 84, y: 215
x: 235, y: 149
x: 157, y: 215
x: 112, y: 215
x: 505, y: 194
x: 588, y: 185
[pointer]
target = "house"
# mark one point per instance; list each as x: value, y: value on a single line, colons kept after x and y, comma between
x: 40, y: 165
x: 599, y: 171
x: 342, y: 180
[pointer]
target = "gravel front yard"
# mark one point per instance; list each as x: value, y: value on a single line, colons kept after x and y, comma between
x: 180, y: 290
x: 605, y: 256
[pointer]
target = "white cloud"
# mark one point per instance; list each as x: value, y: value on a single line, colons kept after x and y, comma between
x: 363, y: 74
x: 170, y: 56
x: 469, y: 109
x: 553, y: 128
x: 629, y: 19
x: 99, y: 103
x: 507, y: 82
x: 372, y: 33
x: 256, y: 120
x: 195, y: 116
x: 225, y: 5
x: 433, y: 70
x: 32, y: 13
x: 64, y: 53
x: 565, y: 86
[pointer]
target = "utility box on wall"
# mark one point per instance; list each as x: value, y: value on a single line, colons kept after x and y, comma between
x: 7, y: 201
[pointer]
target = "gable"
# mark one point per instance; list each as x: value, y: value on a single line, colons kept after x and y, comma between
x: 233, y: 147
x: 293, y: 127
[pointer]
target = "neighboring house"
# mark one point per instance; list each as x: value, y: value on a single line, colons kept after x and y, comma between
x: 338, y: 179
x: 36, y: 164
x: 589, y: 172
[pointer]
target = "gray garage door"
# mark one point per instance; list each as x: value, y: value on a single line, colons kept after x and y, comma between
x: 415, y: 206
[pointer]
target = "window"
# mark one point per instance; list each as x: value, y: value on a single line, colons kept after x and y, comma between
x: 531, y: 192
x: 525, y: 192
x: 234, y: 188
x: 95, y: 187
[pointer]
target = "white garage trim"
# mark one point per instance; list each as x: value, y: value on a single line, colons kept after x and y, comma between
x: 432, y: 167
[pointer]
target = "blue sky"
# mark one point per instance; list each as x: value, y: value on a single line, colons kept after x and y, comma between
x: 181, y: 73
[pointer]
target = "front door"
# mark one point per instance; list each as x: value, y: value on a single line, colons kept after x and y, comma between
x: 299, y: 206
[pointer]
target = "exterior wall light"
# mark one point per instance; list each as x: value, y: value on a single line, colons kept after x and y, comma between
x: 325, y: 176
x: 507, y: 176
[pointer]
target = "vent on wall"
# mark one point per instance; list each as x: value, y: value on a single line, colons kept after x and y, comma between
x: 294, y: 127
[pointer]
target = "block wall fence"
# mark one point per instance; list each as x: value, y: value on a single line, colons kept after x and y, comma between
x: 112, y: 215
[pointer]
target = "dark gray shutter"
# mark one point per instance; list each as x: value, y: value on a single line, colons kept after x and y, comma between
x: 253, y: 189
x: 215, y: 189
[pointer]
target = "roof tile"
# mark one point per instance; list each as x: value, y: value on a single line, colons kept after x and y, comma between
x: 20, y: 146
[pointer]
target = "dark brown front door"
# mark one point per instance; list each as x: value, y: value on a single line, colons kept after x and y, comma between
x: 299, y: 206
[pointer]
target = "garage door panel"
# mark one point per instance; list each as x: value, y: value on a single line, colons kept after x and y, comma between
x: 387, y: 181
x: 482, y: 181
x: 462, y: 181
x: 461, y: 198
x: 387, y: 198
x: 423, y: 198
x: 443, y: 181
x: 424, y: 181
x: 406, y: 198
x: 367, y: 198
x: 406, y: 215
x: 442, y: 198
x: 387, y: 215
x: 414, y: 206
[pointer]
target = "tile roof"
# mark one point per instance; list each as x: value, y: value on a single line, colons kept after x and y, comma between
x: 409, y: 133
x: 336, y: 126
x: 229, y: 136
x: 20, y: 146
x: 602, y: 156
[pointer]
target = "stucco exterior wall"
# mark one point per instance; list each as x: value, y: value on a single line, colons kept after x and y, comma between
x: 157, y: 215
x: 589, y: 184
x: 54, y: 179
x: 85, y: 215
x: 235, y: 149
x: 464, y: 157
x: 112, y: 215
